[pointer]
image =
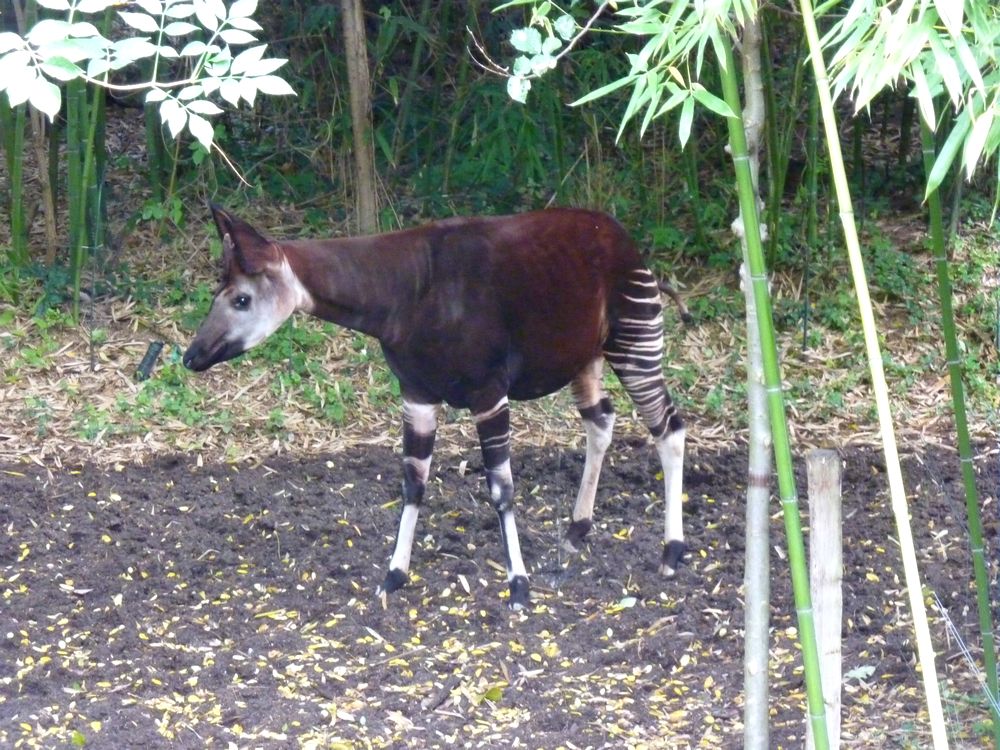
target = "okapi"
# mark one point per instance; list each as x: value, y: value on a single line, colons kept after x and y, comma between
x: 472, y: 312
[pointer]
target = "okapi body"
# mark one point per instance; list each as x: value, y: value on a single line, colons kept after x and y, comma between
x: 472, y: 312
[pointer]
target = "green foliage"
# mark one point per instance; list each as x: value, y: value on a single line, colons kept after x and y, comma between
x: 69, y: 49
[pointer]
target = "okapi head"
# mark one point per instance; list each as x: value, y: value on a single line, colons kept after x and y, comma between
x: 257, y: 292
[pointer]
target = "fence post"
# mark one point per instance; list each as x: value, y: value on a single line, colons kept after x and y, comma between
x: 826, y: 565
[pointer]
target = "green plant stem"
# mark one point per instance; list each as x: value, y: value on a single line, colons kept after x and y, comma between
x: 980, y: 571
x: 18, y: 224
x: 776, y: 404
x: 897, y: 492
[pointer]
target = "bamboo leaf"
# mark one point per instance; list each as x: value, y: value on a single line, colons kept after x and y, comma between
x: 976, y: 140
x: 970, y: 64
x: 604, y: 90
x: 947, y: 154
x: 948, y: 69
x: 687, y: 118
x: 712, y: 102
x: 54, y: 4
x: 922, y: 92
x: 950, y: 12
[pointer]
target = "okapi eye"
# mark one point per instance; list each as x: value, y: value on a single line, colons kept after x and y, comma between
x: 241, y: 301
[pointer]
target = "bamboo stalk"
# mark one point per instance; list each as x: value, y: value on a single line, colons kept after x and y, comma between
x: 757, y: 566
x: 979, y: 567
x: 18, y: 220
x: 897, y: 492
x: 776, y: 405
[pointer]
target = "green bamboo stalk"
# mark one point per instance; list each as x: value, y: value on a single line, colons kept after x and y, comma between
x: 690, y: 156
x: 154, y: 152
x: 897, y: 492
x: 87, y: 125
x: 939, y: 246
x: 812, y: 202
x: 776, y: 405
x: 76, y: 106
x: 18, y: 223
x: 403, y: 110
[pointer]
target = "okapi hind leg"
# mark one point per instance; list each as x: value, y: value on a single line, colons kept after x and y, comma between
x: 493, y: 426
x: 634, y: 350
x: 599, y: 421
x: 419, y: 428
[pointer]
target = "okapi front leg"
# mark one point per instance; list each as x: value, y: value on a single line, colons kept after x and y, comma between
x: 419, y: 427
x: 493, y: 427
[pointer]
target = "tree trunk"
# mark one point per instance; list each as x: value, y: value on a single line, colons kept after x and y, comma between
x: 756, y: 574
x: 359, y: 84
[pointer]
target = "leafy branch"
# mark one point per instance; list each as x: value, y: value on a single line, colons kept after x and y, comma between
x: 537, y: 54
x: 63, y: 50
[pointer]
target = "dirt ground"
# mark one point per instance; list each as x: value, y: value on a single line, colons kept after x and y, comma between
x: 186, y: 605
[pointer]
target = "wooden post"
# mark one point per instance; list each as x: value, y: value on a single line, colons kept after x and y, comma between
x: 359, y: 84
x: 826, y: 566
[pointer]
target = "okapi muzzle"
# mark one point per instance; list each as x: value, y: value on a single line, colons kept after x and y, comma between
x: 475, y: 313
x: 258, y: 291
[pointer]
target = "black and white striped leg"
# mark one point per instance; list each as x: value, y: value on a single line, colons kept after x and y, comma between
x: 634, y: 350
x: 493, y: 426
x: 598, y: 421
x: 419, y: 427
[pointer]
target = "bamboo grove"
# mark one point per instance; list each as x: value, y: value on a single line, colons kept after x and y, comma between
x: 634, y: 107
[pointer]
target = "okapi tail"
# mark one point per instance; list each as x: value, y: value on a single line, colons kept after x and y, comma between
x: 672, y: 293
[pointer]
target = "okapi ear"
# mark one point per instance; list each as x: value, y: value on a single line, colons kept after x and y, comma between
x: 241, y: 242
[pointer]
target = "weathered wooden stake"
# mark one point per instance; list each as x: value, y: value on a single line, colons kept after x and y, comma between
x: 826, y: 565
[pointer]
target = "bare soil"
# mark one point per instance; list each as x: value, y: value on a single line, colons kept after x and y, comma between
x: 186, y: 605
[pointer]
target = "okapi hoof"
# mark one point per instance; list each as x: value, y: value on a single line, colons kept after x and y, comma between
x: 519, y: 598
x: 673, y: 556
x: 394, y: 579
x: 575, y: 534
